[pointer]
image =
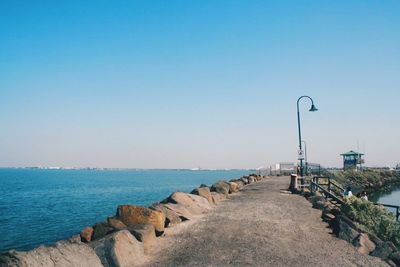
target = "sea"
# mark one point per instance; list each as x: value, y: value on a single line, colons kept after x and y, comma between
x: 42, y: 206
x: 391, y: 197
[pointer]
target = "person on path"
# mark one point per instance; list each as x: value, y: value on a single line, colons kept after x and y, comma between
x: 347, y: 193
x: 364, y: 196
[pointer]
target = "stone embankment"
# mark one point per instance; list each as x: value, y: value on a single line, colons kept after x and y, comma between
x: 126, y: 238
x: 371, y: 181
x: 344, y: 228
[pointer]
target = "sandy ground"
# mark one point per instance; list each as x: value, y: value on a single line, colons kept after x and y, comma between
x: 263, y: 225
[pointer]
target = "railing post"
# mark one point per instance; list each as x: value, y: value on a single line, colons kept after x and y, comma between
x: 312, y: 186
x: 397, y: 213
x: 329, y: 184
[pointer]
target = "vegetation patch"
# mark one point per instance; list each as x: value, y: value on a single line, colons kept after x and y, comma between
x: 373, y: 219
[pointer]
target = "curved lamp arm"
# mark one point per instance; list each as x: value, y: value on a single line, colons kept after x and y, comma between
x: 312, y: 109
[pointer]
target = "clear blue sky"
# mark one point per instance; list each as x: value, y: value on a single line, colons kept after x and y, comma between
x: 181, y: 84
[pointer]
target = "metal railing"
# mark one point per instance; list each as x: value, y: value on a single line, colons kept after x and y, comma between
x: 397, y: 213
x: 315, y: 183
x: 327, y: 194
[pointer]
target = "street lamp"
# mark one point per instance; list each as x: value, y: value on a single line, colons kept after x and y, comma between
x: 313, y: 108
x: 305, y: 155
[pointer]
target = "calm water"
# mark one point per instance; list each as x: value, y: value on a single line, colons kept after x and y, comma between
x: 392, y: 198
x: 43, y: 206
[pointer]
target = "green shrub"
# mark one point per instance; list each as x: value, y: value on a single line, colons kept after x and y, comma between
x: 376, y: 219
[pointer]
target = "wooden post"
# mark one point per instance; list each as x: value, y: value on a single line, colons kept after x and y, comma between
x: 293, y: 183
x: 329, y: 185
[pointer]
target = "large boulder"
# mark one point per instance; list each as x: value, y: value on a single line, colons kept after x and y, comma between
x: 251, y: 179
x: 144, y: 233
x: 233, y: 187
x: 384, y: 250
x: 318, y: 202
x: 395, y: 257
x: 193, y: 203
x: 171, y: 217
x: 244, y: 180
x: 345, y: 229
x: 101, y: 229
x: 132, y: 215
x: 364, y: 244
x: 239, y: 183
x: 119, y: 249
x: 86, y: 234
x: 187, y: 206
x: 115, y: 223
x: 62, y: 254
x: 182, y: 211
x: 217, y: 197
x: 220, y: 187
x: 203, y: 192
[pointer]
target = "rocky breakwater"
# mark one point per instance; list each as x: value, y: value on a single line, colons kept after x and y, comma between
x: 344, y: 228
x: 126, y: 238
x: 372, y: 181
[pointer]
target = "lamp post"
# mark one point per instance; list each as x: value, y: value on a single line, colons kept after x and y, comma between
x: 305, y: 155
x: 313, y: 108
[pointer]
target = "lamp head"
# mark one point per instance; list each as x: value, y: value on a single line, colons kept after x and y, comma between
x: 313, y: 108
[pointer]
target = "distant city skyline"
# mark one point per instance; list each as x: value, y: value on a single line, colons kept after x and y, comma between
x: 185, y: 84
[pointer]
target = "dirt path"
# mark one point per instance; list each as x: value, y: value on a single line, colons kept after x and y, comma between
x: 261, y: 226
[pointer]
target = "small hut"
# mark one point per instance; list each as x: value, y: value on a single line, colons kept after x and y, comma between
x: 352, y: 160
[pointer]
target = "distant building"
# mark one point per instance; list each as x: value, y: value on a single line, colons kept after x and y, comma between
x: 352, y: 160
x: 283, y: 168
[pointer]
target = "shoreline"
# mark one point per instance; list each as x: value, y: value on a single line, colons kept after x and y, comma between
x: 54, y: 205
x: 139, y: 225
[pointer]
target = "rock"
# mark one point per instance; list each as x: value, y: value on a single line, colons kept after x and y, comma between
x: 244, y: 180
x: 318, y: 202
x: 171, y: 217
x: 377, y: 241
x: 319, y: 205
x: 384, y: 250
x: 327, y: 217
x: 132, y: 215
x: 395, y: 257
x: 144, y: 233
x: 187, y: 206
x: 239, y: 182
x: 203, y: 192
x: 258, y: 178
x: 220, y: 187
x: 203, y: 185
x: 119, y: 249
x: 364, y: 244
x: 194, y: 203
x: 201, y: 202
x: 181, y: 210
x: 75, y: 239
x: 86, y: 234
x: 233, y: 187
x: 345, y: 229
x: 251, y: 179
x: 115, y: 223
x: 62, y: 254
x: 100, y: 230
x: 217, y: 197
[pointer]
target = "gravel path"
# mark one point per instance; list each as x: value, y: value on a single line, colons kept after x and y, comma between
x: 263, y: 225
